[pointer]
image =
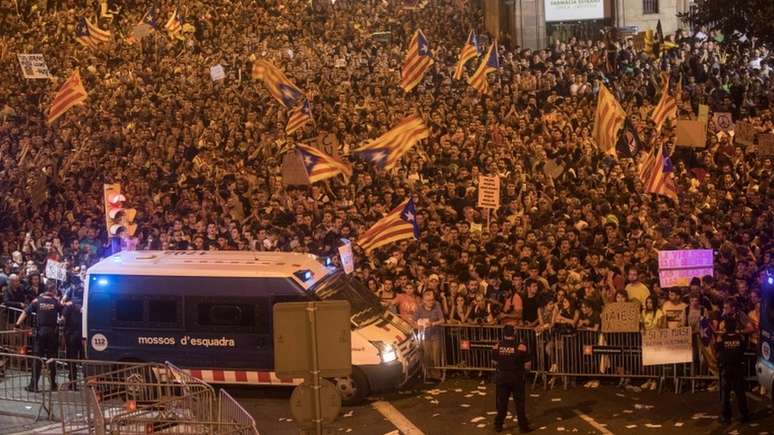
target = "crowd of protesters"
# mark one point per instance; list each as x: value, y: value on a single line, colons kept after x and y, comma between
x: 200, y: 160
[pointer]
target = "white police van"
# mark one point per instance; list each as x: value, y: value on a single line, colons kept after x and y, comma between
x: 764, y: 368
x: 210, y: 313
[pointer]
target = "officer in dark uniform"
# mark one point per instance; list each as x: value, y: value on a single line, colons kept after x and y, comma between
x: 731, y: 343
x: 72, y: 320
x: 511, y: 359
x: 47, y: 308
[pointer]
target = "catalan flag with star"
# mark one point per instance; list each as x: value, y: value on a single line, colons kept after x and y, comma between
x: 399, y: 224
x: 386, y: 150
x: 469, y: 51
x: 89, y: 35
x: 319, y: 165
x: 279, y: 86
x: 299, y: 117
x: 491, y: 62
x: 417, y: 62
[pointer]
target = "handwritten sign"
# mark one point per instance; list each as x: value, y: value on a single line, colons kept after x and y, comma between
x: 621, y: 317
x: 744, y: 133
x: 691, y: 133
x: 766, y: 144
x: 488, y: 192
x: 217, y: 72
x: 666, y: 346
x: 33, y: 66
x: 56, y: 270
x: 345, y: 253
x: 677, y: 268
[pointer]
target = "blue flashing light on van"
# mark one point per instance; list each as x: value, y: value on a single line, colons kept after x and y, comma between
x: 210, y: 313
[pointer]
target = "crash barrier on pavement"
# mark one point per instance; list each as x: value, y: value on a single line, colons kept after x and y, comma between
x: 557, y: 356
x: 106, y: 397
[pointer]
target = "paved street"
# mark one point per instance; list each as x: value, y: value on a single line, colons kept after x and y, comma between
x: 467, y: 406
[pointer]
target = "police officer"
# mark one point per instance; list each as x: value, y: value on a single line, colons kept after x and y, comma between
x: 72, y: 320
x: 47, y: 308
x: 511, y: 359
x: 731, y: 343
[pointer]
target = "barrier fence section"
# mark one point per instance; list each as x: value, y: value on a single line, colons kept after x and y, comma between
x: 582, y: 353
x: 107, y: 397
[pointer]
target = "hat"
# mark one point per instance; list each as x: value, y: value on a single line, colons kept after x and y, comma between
x: 508, y: 331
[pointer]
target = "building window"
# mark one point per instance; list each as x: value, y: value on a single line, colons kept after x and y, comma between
x: 649, y: 7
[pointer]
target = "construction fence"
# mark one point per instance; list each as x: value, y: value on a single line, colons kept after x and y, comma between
x: 578, y: 354
x: 106, y: 397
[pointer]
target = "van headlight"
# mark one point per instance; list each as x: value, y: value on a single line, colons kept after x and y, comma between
x: 387, y: 351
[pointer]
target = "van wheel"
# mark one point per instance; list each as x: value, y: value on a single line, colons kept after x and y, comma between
x: 353, y: 388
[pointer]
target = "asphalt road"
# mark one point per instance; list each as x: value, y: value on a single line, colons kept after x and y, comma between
x: 466, y: 406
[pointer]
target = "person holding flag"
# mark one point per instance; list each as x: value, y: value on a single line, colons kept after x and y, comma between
x: 469, y: 51
x: 491, y: 62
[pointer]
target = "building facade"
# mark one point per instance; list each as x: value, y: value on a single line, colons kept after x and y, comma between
x: 536, y: 23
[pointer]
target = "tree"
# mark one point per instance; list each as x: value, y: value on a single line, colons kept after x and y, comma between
x: 752, y: 18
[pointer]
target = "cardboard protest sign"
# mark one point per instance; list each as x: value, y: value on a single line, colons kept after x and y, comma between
x: 552, y: 169
x: 691, y: 133
x: 723, y: 121
x: 488, y: 192
x: 293, y: 171
x: 744, y: 133
x: 345, y: 253
x: 666, y: 346
x: 703, y: 113
x: 217, y: 72
x: 56, y: 270
x: 765, y: 144
x: 677, y: 268
x: 621, y: 317
x: 33, y: 66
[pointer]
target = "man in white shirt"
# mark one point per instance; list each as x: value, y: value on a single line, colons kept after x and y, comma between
x: 674, y: 309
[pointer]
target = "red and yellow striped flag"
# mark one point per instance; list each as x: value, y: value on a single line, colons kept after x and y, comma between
x: 608, y: 120
x: 417, y: 62
x: 71, y: 93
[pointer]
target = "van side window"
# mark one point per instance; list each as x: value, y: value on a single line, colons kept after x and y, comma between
x: 222, y: 314
x: 162, y: 311
x: 128, y: 310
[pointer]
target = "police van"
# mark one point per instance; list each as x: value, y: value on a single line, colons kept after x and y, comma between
x: 211, y: 314
x: 765, y: 365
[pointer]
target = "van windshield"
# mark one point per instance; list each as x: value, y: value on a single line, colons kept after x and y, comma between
x: 365, y: 305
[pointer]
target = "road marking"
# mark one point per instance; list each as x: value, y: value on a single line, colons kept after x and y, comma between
x: 396, y: 418
x: 593, y: 423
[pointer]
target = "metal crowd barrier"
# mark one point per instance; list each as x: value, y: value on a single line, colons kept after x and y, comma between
x: 107, y: 397
x: 582, y: 353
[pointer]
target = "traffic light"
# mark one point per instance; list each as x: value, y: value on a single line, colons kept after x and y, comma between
x: 117, y: 217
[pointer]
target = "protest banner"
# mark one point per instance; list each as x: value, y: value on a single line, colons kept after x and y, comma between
x: 766, y: 144
x: 621, y: 317
x: 56, y: 270
x: 691, y: 133
x: 488, y: 192
x: 33, y: 66
x: 666, y: 346
x: 217, y: 73
x: 677, y: 268
x: 744, y: 134
x: 345, y: 253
